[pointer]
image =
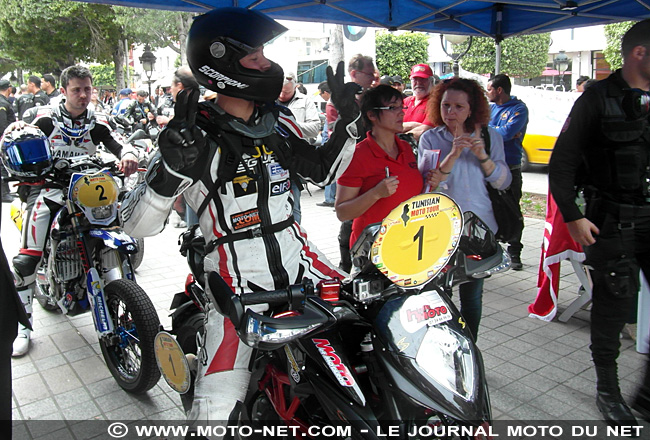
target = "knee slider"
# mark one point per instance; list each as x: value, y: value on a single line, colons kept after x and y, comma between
x: 25, y: 268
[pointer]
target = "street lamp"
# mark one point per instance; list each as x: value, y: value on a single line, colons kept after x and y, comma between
x: 455, y: 40
x: 561, y: 62
x: 148, y: 60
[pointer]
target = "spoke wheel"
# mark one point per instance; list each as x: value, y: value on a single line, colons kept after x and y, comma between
x: 129, y: 352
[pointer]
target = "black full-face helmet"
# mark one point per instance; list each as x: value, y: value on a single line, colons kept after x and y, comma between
x: 219, y: 39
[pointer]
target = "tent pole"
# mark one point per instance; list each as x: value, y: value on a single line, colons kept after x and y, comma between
x: 497, y: 62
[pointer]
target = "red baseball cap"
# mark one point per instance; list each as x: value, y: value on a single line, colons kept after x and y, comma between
x: 421, y: 71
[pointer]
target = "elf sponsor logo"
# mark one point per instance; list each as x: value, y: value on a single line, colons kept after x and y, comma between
x: 221, y: 78
x: 278, y: 188
x: 425, y: 313
x: 337, y: 366
x: 245, y: 219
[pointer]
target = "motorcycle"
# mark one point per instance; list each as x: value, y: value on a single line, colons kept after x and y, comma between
x: 383, y: 351
x: 17, y: 207
x: 87, y: 264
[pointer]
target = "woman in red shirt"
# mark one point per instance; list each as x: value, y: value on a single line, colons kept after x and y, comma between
x: 383, y: 171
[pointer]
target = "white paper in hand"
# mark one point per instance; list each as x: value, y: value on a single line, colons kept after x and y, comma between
x: 428, y: 160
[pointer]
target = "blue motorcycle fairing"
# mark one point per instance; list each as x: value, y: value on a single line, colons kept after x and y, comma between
x: 116, y: 239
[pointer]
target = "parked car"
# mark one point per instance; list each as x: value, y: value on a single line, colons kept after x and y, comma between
x: 537, y: 150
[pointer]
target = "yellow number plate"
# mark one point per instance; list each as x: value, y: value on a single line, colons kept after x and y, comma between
x: 95, y: 190
x: 172, y: 362
x: 417, y: 239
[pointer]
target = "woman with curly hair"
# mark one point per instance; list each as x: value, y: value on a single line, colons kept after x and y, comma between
x: 459, y: 109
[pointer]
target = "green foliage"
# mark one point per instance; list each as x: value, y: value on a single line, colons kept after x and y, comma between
x: 524, y: 56
x: 103, y: 74
x: 49, y: 35
x: 396, y: 54
x: 613, y: 36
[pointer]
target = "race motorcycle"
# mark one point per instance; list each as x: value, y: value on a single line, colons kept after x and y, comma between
x: 383, y: 351
x: 87, y: 265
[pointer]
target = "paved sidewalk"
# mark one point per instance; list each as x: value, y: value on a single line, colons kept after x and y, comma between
x: 535, y: 370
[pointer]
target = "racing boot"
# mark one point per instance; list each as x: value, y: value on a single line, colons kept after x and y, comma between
x: 21, y: 343
x: 609, y: 400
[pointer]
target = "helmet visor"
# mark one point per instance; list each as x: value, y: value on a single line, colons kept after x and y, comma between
x: 28, y: 152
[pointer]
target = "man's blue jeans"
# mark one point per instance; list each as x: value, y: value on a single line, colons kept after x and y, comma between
x: 330, y: 192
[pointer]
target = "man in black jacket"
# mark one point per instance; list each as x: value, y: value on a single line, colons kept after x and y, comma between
x: 11, y: 313
x: 604, y: 148
x: 7, y: 116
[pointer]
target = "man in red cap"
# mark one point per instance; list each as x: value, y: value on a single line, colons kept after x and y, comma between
x: 415, y: 115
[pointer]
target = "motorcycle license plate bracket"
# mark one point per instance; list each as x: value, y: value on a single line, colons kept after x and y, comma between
x: 172, y: 362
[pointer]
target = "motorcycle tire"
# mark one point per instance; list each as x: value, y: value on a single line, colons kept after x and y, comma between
x: 136, y: 259
x: 129, y: 354
x: 186, y: 333
x: 186, y: 337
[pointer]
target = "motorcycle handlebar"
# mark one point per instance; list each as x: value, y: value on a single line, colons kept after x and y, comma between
x: 233, y: 306
x: 272, y: 297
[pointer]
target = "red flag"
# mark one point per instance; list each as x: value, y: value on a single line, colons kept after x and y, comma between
x: 557, y: 246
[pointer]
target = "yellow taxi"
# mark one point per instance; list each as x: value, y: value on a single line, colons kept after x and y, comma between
x: 537, y: 150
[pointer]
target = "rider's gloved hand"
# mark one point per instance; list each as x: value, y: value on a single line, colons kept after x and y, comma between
x: 182, y: 142
x: 344, y: 95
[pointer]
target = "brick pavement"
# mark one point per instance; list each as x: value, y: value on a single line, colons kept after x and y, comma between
x: 535, y: 370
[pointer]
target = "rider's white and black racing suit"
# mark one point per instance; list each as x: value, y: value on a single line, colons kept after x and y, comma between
x: 245, y: 205
x: 68, y: 138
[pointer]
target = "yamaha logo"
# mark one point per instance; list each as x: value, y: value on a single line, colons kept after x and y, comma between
x: 217, y: 49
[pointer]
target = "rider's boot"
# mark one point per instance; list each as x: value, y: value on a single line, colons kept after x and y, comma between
x: 609, y: 400
x: 21, y: 343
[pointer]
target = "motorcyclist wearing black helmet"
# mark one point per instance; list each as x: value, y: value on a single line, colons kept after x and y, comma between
x: 72, y: 130
x: 139, y: 112
x: 243, y: 196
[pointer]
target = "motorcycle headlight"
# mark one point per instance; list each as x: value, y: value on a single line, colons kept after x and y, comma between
x: 259, y: 332
x: 445, y: 355
x: 269, y: 333
x: 102, y: 212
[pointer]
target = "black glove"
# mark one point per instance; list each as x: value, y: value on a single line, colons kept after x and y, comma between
x: 344, y: 95
x: 182, y: 142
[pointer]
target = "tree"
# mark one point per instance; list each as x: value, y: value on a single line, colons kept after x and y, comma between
x: 613, y: 36
x: 156, y: 27
x: 397, y: 53
x: 49, y: 35
x: 524, y: 56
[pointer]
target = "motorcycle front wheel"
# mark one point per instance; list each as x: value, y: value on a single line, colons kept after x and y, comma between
x: 136, y: 259
x: 129, y: 352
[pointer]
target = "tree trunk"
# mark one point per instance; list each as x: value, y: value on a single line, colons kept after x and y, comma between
x: 336, y: 46
x: 118, y: 60
x: 184, y: 24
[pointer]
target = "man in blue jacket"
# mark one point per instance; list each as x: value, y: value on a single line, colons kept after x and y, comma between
x: 510, y: 119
